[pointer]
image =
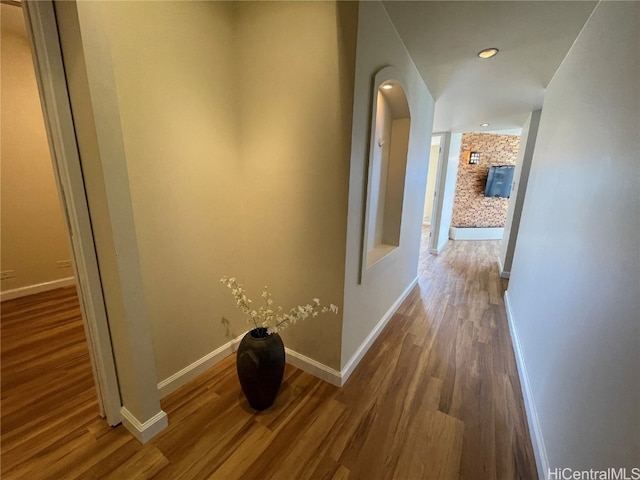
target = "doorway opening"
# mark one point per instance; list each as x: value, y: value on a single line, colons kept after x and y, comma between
x: 433, y: 197
x: 33, y: 44
x: 47, y: 376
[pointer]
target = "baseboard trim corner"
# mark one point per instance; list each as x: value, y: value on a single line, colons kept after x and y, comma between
x: 144, y: 431
x: 37, y: 288
x: 503, y: 274
x: 373, y: 335
x: 313, y: 367
x: 537, y: 441
x: 441, y: 246
x: 298, y: 360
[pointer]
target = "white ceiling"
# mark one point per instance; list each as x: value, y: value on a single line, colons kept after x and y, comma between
x: 443, y: 37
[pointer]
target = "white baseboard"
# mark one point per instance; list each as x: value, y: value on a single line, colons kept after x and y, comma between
x: 503, y: 274
x: 364, y: 347
x: 461, y: 233
x: 313, y: 367
x: 38, y: 288
x: 147, y: 430
x: 539, y: 450
x: 309, y: 365
x: 294, y: 358
x: 190, y: 372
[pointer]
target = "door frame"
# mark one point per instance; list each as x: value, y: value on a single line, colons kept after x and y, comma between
x: 42, y: 30
x: 436, y: 213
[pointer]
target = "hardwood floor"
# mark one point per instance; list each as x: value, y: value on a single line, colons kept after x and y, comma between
x: 46, y: 381
x: 436, y: 397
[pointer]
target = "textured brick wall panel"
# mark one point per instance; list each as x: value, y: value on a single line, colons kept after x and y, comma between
x: 471, y: 208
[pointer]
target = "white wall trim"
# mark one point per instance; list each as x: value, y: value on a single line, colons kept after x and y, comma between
x: 37, y: 288
x: 539, y: 450
x: 41, y: 24
x: 313, y: 367
x: 503, y: 274
x: 373, y: 335
x: 144, y: 431
x: 461, y: 233
x: 188, y: 373
x: 436, y: 212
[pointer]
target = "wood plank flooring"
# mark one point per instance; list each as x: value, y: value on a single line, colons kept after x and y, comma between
x: 436, y: 397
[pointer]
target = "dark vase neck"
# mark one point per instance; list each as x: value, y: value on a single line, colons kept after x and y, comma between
x: 259, y: 333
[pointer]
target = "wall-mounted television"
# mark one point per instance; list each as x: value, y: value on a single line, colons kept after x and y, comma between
x: 499, y: 181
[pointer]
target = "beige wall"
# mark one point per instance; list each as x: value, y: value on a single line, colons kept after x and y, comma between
x: 175, y: 74
x: 296, y: 72
x: 394, y: 201
x: 237, y: 161
x: 34, y: 235
x: 379, y: 172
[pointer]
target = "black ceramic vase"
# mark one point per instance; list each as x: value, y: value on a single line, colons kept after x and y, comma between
x: 260, y: 364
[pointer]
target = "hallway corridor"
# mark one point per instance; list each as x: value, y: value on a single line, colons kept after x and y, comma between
x: 436, y: 397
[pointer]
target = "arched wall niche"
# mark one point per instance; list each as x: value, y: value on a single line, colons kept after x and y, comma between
x: 389, y: 143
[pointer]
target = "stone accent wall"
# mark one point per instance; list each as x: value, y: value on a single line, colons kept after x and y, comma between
x: 471, y: 208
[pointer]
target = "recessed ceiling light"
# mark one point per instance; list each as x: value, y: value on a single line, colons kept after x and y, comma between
x: 484, y: 124
x: 488, y: 53
x: 387, y: 86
